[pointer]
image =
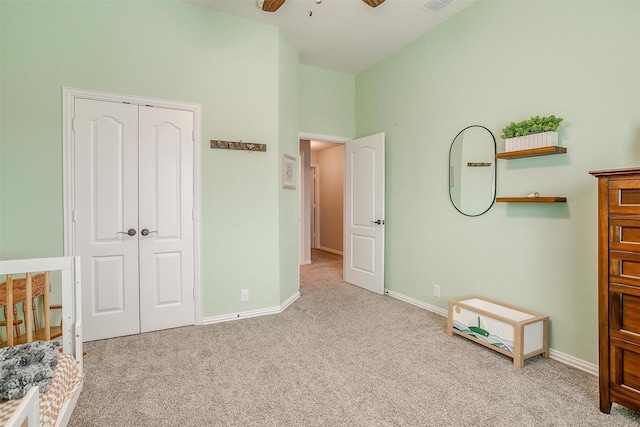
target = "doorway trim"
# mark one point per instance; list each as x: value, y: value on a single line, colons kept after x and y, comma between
x: 69, y: 95
x: 315, y: 224
x: 305, y: 228
x: 325, y: 138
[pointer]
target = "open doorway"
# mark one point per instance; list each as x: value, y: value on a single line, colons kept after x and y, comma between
x: 322, y: 198
x: 361, y: 193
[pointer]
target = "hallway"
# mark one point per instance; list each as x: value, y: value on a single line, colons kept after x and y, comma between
x: 324, y: 272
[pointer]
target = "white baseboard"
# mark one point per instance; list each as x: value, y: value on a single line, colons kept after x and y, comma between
x: 305, y: 262
x: 289, y: 301
x: 333, y: 251
x: 251, y: 313
x: 567, y: 359
x: 416, y: 302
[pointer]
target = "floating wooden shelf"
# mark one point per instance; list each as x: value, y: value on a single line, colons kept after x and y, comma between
x: 534, y: 152
x: 549, y: 199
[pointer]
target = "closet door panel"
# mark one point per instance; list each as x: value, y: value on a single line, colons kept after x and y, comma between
x: 166, y: 211
x: 106, y: 208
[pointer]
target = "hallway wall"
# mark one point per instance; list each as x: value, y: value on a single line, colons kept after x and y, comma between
x: 330, y: 197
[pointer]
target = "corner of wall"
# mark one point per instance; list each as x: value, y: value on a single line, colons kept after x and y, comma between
x: 288, y: 125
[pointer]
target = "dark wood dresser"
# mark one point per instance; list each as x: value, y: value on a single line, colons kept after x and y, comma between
x: 619, y: 287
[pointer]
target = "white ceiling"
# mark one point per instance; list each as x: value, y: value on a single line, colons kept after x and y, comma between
x: 346, y: 36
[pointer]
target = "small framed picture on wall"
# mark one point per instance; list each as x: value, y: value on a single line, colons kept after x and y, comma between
x: 288, y: 171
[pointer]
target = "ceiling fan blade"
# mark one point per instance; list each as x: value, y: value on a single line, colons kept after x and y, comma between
x: 373, y: 3
x: 273, y: 5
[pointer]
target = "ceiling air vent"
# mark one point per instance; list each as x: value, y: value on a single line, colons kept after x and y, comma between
x: 434, y: 5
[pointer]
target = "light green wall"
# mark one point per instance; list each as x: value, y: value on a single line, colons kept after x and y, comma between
x: 331, y: 198
x: 496, y: 62
x: 288, y: 144
x: 327, y: 102
x: 169, y: 50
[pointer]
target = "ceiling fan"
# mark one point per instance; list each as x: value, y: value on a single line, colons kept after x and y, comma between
x: 273, y: 5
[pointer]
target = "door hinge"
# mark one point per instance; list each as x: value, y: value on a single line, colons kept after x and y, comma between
x: 73, y: 124
x: 75, y: 215
x: 193, y: 135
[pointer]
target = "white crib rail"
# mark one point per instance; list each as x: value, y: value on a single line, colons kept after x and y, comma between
x: 27, y: 410
x: 71, y: 308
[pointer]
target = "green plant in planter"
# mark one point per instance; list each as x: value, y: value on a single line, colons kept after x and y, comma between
x: 535, y: 124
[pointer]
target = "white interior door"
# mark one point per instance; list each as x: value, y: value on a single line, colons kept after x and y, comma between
x: 106, y: 207
x: 133, y: 217
x: 166, y: 219
x: 364, y: 213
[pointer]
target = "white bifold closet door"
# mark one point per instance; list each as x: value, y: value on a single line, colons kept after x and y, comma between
x: 133, y: 217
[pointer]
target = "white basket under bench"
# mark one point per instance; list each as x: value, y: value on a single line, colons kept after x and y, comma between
x: 509, y: 330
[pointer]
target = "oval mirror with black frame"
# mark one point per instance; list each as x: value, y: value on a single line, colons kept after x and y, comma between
x: 472, y: 170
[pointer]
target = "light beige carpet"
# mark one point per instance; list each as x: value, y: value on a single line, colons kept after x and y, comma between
x: 339, y: 356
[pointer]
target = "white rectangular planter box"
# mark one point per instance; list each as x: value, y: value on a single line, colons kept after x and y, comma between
x: 514, y: 332
x: 528, y: 142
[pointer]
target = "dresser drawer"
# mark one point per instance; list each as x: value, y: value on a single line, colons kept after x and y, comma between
x: 624, y: 268
x: 624, y: 234
x: 624, y: 369
x: 624, y: 317
x: 624, y: 196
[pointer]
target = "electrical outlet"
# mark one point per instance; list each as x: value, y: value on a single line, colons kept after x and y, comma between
x: 244, y: 294
x: 436, y: 291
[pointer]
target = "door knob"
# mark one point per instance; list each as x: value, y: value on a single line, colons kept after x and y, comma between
x: 131, y: 232
x: 145, y: 232
x: 378, y: 222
